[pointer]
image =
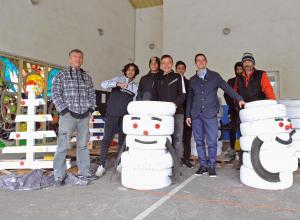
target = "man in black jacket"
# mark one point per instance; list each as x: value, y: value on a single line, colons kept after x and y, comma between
x: 232, y: 110
x: 180, y: 67
x: 123, y: 91
x: 169, y: 87
x: 147, y: 82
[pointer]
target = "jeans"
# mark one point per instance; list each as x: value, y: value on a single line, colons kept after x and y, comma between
x: 68, y: 124
x: 206, y: 130
x: 113, y: 124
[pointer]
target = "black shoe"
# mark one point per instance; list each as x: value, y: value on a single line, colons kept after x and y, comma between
x: 59, y: 182
x: 187, y: 163
x: 202, y: 170
x: 212, y: 172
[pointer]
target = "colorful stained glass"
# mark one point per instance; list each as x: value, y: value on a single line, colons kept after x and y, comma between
x: 52, y: 73
x: 11, y: 74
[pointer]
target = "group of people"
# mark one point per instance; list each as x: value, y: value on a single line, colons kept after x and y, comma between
x: 196, y: 103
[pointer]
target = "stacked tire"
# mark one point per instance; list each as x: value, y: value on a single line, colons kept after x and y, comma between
x: 293, y: 112
x: 269, y: 157
x: 147, y: 164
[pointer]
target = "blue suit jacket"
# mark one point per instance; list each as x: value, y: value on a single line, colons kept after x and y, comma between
x: 202, y: 95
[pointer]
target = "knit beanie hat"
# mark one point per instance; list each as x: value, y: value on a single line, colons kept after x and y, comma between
x: 248, y: 56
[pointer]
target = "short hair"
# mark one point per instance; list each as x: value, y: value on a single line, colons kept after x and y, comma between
x: 127, y: 66
x: 240, y: 64
x: 76, y: 51
x: 156, y: 59
x: 200, y: 55
x: 180, y: 63
x: 166, y: 56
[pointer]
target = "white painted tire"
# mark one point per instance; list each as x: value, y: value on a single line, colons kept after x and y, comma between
x: 246, y: 141
x: 296, y: 123
x: 147, y: 142
x: 263, y: 112
x: 146, y: 160
x: 293, y: 112
x: 296, y: 136
x: 290, y: 102
x: 151, y: 108
x: 145, y: 125
x: 250, y: 178
x: 145, y: 179
x: 296, y: 144
x: 260, y: 103
x: 266, y: 126
x: 275, y: 161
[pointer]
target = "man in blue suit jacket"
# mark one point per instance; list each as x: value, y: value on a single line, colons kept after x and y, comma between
x: 202, y: 109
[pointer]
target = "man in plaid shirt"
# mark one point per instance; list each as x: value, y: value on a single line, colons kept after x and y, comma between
x: 74, y: 97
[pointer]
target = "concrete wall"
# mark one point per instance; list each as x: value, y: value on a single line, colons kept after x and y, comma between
x: 48, y: 31
x: 149, y: 29
x: 269, y: 29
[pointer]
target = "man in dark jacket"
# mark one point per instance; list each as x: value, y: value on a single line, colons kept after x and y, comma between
x: 123, y: 91
x: 232, y: 110
x: 180, y: 67
x: 169, y: 87
x: 147, y: 82
x: 201, y: 111
x: 253, y: 84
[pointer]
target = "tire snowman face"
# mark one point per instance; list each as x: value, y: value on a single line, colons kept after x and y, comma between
x: 267, y: 138
x: 266, y: 126
x: 147, y: 125
x: 147, y: 164
x: 293, y: 112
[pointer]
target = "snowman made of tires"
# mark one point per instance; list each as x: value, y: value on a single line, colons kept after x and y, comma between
x: 270, y: 158
x: 150, y: 158
x: 293, y: 112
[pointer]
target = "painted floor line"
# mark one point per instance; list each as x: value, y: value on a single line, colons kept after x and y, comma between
x: 157, y: 204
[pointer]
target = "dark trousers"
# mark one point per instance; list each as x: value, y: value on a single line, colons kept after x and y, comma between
x: 187, y: 135
x: 205, y: 130
x: 234, y: 125
x: 113, y: 125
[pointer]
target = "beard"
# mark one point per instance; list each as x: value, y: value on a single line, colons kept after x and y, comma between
x: 248, y: 68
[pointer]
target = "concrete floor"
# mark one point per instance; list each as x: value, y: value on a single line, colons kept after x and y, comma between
x: 223, y: 197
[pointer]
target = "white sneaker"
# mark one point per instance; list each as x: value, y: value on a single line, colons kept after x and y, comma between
x: 100, y: 171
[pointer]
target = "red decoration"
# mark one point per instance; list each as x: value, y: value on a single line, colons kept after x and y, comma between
x: 281, y: 124
x: 287, y: 127
x: 135, y: 125
x: 146, y: 133
x: 157, y: 126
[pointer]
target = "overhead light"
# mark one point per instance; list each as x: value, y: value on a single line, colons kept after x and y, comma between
x: 100, y: 31
x: 226, y: 30
x: 34, y: 2
x: 151, y: 46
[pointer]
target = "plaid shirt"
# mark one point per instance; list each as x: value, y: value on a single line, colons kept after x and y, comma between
x: 73, y: 91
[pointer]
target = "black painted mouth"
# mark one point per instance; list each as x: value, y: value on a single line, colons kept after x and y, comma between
x: 145, y: 142
x: 289, y: 141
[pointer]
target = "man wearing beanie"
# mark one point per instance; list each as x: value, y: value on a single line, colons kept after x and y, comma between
x: 147, y: 82
x: 253, y: 84
x: 232, y: 110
